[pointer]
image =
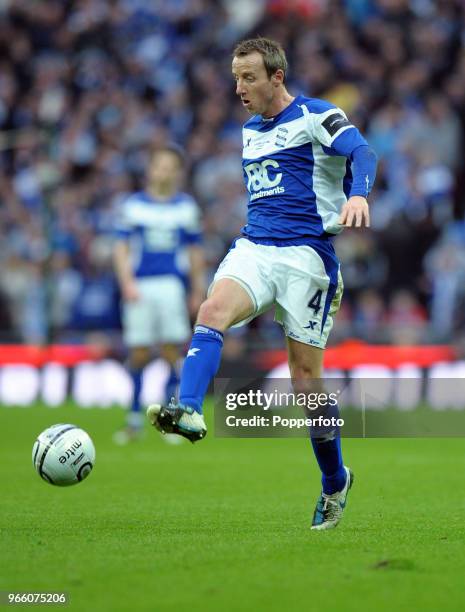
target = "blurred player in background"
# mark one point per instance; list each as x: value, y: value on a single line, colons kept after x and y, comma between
x: 159, y: 265
x: 308, y: 172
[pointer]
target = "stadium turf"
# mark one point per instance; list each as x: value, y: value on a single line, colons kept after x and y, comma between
x: 224, y: 525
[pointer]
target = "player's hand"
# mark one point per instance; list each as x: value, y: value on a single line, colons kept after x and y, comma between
x: 355, y: 212
x: 130, y: 291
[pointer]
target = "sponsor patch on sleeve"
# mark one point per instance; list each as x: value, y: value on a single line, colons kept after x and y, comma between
x: 335, y: 122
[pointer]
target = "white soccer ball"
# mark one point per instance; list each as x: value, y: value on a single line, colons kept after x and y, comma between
x: 63, y: 455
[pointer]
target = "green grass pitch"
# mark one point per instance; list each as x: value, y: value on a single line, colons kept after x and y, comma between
x: 224, y: 524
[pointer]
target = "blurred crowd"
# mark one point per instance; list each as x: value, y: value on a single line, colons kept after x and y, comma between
x: 86, y: 86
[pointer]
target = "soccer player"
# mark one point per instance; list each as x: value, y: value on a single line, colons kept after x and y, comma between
x: 156, y: 254
x: 308, y: 172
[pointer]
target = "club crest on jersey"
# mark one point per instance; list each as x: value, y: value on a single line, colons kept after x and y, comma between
x: 281, y: 136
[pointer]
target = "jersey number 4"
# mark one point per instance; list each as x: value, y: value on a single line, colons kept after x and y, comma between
x: 315, y: 302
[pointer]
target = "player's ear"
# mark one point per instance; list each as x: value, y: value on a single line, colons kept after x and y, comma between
x: 278, y: 78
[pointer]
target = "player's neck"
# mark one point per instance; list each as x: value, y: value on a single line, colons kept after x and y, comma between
x: 281, y: 101
x: 160, y: 192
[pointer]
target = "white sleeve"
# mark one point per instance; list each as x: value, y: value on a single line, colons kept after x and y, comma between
x: 327, y: 126
x: 192, y: 219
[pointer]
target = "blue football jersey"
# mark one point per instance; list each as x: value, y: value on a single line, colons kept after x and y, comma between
x: 159, y: 232
x: 297, y: 170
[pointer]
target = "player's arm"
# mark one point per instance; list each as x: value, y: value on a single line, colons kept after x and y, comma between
x: 196, y: 277
x: 355, y: 211
x: 123, y: 270
x: 192, y: 239
x: 334, y: 131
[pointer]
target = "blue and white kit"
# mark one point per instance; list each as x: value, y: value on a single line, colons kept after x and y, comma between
x: 159, y: 234
x: 300, y: 167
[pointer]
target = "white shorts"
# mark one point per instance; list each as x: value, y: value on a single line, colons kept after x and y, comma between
x: 159, y: 316
x: 304, y: 282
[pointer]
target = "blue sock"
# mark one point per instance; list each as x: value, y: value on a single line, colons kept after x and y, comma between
x: 200, y: 366
x: 329, y: 456
x: 171, y: 385
x: 134, y: 418
x: 326, y: 444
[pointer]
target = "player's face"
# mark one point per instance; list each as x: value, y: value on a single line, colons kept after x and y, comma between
x: 164, y: 170
x: 253, y: 85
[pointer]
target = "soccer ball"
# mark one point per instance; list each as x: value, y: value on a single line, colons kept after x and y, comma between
x: 63, y: 455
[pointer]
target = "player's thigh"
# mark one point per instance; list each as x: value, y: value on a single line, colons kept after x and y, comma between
x: 228, y: 303
x: 243, y: 282
x: 309, y: 296
x: 139, y: 321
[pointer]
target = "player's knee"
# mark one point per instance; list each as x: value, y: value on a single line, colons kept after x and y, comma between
x: 302, y: 371
x: 305, y: 378
x: 139, y: 357
x: 214, y: 314
x: 170, y: 353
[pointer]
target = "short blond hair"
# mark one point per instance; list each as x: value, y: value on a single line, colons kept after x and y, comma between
x: 272, y: 52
